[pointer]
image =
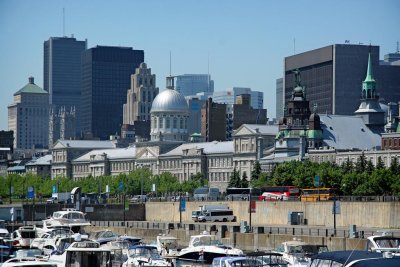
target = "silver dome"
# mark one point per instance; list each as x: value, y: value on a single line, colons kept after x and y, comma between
x: 169, y: 100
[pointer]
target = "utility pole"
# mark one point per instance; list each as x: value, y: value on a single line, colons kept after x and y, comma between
x: 141, y: 186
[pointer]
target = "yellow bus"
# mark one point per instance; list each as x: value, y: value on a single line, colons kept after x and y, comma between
x: 318, y: 194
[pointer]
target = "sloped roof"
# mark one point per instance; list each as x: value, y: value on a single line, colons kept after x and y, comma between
x: 348, y: 132
x: 45, y: 160
x: 214, y: 147
x: 86, y: 144
x: 263, y: 129
x: 116, y: 153
x: 31, y: 88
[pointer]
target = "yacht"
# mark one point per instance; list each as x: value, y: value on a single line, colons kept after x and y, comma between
x: 354, y: 258
x: 3, y: 230
x: 23, y: 237
x: 205, y: 247
x: 50, y: 237
x: 145, y: 256
x: 83, y: 253
x: 385, y: 242
x: 167, y: 246
x: 298, y: 253
x: 29, y: 262
x: 71, y: 218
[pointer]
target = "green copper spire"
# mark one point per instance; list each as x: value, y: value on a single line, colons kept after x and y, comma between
x: 369, y: 84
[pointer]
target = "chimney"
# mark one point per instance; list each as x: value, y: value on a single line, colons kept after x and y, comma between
x: 31, y: 80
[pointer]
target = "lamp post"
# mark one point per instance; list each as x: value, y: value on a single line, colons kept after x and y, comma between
x: 250, y: 209
x: 141, y: 185
x: 11, y: 189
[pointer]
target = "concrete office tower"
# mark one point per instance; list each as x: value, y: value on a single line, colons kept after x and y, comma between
x: 106, y: 77
x: 229, y: 95
x: 213, y: 121
x: 279, y: 98
x: 169, y: 115
x: 333, y: 74
x: 62, y: 74
x: 28, y: 117
x: 61, y: 125
x: 191, y: 84
x: 140, y: 96
x: 370, y: 110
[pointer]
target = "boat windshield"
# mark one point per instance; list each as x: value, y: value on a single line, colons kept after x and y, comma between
x: 206, y: 241
x: 307, y: 249
x: 57, y: 215
x: 2, y: 224
x: 88, y: 258
x: 146, y: 252
x: 387, y: 242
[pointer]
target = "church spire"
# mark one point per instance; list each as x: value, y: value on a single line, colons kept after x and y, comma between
x: 369, y: 84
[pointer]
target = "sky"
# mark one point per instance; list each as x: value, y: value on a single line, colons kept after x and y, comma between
x: 241, y: 43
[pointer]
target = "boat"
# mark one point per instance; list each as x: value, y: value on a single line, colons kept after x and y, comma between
x: 119, y: 251
x: 3, y: 230
x: 205, y: 248
x: 29, y: 262
x: 83, y: 253
x: 167, y: 246
x: 4, y: 250
x: 50, y: 237
x: 298, y: 253
x: 385, y: 242
x: 23, y: 237
x: 103, y: 236
x: 354, y: 258
x: 145, y: 256
x: 268, y: 258
x: 71, y: 218
x: 235, y: 261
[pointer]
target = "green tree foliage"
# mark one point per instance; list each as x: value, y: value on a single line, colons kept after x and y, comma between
x: 234, y: 180
x: 255, y: 173
x: 244, y: 183
x: 380, y: 164
x: 361, y: 164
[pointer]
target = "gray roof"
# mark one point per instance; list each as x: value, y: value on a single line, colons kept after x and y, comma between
x: 263, y: 129
x: 86, y: 143
x: 45, y: 160
x: 348, y: 132
x: 214, y: 147
x: 116, y: 153
x: 169, y: 100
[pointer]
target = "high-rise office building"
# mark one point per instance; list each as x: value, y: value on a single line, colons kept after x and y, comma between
x: 279, y: 98
x: 333, y: 74
x: 141, y: 95
x: 106, y: 72
x: 194, y: 121
x: 62, y: 75
x: 191, y: 84
x: 213, y: 121
x: 229, y: 95
x: 28, y: 117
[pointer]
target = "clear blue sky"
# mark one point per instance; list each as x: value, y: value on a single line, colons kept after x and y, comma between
x: 246, y: 41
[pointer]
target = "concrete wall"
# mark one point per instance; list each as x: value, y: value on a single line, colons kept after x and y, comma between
x: 362, y: 214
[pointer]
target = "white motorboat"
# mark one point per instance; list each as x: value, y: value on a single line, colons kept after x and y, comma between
x: 119, y: 251
x: 83, y: 253
x: 29, y: 262
x: 71, y: 218
x: 385, y: 242
x: 3, y: 230
x: 167, y: 245
x: 145, y: 256
x: 298, y: 253
x: 205, y: 248
x: 23, y: 236
x: 50, y: 237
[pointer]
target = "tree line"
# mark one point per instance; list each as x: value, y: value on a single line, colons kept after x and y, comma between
x: 359, y: 179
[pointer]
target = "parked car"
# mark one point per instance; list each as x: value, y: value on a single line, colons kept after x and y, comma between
x: 138, y: 198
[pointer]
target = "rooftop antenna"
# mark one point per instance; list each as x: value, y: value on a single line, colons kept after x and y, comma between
x: 208, y: 72
x: 398, y: 51
x: 294, y: 46
x: 170, y: 73
x: 63, y: 22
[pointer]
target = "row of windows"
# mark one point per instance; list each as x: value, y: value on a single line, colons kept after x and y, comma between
x: 180, y: 123
x: 391, y: 142
x: 220, y: 176
x: 220, y: 162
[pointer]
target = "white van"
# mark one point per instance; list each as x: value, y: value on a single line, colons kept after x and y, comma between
x: 224, y: 215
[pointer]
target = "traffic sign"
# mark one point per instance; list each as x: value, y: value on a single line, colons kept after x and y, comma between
x: 31, y: 192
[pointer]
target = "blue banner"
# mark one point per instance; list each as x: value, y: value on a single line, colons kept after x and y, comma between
x: 31, y: 192
x: 182, y: 204
x: 54, y: 188
x: 121, y: 186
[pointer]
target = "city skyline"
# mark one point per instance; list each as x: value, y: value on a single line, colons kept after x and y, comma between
x: 239, y: 44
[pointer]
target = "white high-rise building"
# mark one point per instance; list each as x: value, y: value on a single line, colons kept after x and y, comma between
x: 229, y: 95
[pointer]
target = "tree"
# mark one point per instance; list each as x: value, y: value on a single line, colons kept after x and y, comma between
x: 234, y: 180
x: 347, y: 166
x: 361, y: 164
x: 394, y: 166
x: 244, y: 182
x: 255, y: 173
x: 380, y: 164
x: 370, y: 167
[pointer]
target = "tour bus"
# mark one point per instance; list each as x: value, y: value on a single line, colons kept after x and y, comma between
x: 223, y: 215
x: 234, y: 193
x: 316, y: 194
x: 206, y: 193
x: 280, y: 193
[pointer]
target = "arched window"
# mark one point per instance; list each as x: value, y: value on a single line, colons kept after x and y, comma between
x: 167, y: 125
x: 181, y: 124
x: 160, y: 122
x: 175, y: 122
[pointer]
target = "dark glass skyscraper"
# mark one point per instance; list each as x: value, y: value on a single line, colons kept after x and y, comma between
x: 62, y: 75
x: 332, y: 76
x: 105, y: 81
